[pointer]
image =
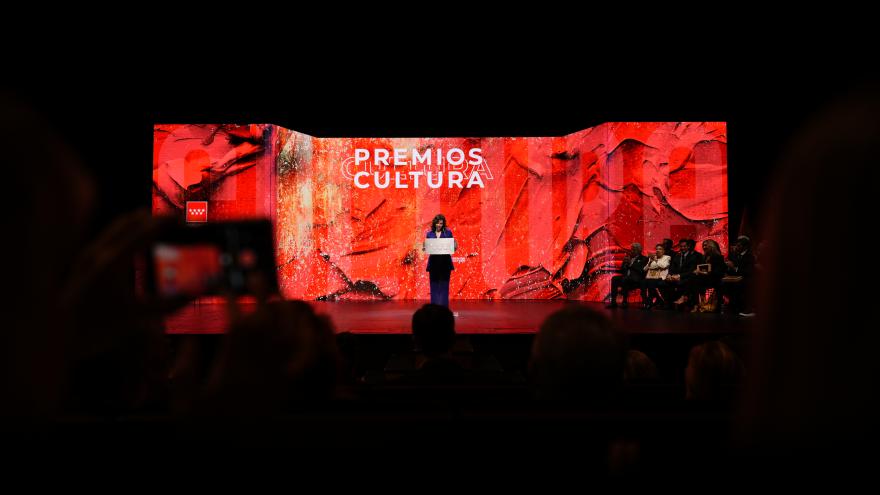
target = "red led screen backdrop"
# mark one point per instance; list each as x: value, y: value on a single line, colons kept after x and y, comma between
x: 535, y: 218
x: 229, y: 166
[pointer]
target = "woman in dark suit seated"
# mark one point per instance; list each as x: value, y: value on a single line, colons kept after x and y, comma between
x: 708, y: 276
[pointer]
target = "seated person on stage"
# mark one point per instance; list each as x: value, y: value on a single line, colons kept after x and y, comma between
x: 741, y: 261
x: 708, y: 277
x: 740, y: 266
x: 632, y: 272
x: 669, y: 247
x: 656, y: 271
x: 684, y: 264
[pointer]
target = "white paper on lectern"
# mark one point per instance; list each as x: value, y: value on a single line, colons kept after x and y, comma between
x: 440, y: 246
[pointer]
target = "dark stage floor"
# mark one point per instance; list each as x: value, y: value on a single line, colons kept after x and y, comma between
x: 474, y: 317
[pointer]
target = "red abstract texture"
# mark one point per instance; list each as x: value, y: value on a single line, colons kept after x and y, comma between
x: 553, y: 219
x: 230, y: 166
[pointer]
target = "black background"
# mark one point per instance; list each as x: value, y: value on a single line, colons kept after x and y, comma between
x: 105, y: 107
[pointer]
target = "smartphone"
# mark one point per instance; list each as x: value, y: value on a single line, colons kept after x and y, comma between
x: 189, y: 261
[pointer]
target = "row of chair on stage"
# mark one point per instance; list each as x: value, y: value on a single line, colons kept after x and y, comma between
x: 687, y: 279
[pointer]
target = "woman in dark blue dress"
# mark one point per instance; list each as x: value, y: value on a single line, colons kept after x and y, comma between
x: 439, y: 265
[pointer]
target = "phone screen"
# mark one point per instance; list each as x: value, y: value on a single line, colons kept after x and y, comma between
x: 221, y: 258
x: 187, y: 270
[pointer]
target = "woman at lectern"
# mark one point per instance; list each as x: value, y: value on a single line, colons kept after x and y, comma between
x: 439, y: 265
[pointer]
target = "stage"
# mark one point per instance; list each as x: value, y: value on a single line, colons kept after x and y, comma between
x: 474, y: 317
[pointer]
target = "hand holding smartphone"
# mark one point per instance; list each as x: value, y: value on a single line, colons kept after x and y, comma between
x: 234, y: 258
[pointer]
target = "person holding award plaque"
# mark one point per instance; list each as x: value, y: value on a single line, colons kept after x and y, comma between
x: 439, y: 244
